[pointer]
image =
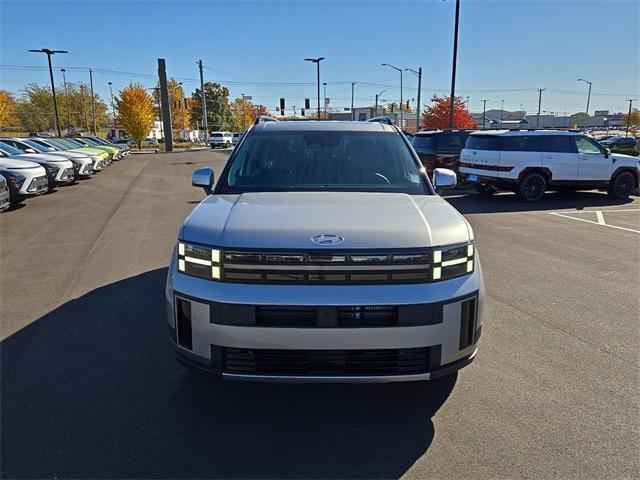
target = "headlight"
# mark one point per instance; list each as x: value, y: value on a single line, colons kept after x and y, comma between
x: 199, y: 261
x: 452, y: 261
x: 16, y: 179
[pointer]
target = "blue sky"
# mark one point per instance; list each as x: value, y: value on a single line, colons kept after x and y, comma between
x: 507, y: 49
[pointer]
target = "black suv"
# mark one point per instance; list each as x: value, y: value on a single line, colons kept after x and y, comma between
x: 440, y: 148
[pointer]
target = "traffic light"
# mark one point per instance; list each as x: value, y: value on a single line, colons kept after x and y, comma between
x: 282, y: 106
x: 306, y: 103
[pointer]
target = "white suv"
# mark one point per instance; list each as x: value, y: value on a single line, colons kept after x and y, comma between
x: 529, y: 162
x: 220, y: 139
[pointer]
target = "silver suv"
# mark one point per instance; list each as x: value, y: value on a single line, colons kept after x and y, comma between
x: 324, y: 253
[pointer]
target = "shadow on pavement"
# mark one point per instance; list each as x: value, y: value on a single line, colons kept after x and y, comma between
x: 468, y: 202
x: 91, y: 390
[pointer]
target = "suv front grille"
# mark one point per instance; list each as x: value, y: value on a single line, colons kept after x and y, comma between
x: 404, y: 361
x: 38, y: 184
x: 327, y: 268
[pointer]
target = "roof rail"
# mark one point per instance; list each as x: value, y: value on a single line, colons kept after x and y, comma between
x: 265, y: 118
x: 383, y: 119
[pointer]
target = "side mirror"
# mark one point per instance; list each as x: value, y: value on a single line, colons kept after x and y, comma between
x: 51, y: 149
x: 30, y: 150
x: 607, y: 152
x: 444, y: 178
x: 203, y: 177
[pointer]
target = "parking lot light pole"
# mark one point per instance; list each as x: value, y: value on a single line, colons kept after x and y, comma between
x: 401, y: 106
x: 455, y: 59
x: 588, y: 97
x: 484, y: 112
x: 53, y: 87
x: 419, y: 74
x: 182, y: 102
x: 317, y: 62
x: 378, y: 95
x: 66, y: 95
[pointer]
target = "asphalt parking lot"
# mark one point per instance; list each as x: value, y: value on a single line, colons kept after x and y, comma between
x: 90, y: 388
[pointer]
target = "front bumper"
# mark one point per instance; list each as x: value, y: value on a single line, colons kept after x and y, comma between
x: 436, y: 332
x: 5, y: 199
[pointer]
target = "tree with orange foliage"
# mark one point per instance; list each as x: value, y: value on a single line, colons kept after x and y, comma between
x: 7, y: 109
x: 436, y: 115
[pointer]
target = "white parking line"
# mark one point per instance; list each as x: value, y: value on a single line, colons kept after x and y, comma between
x: 599, y: 218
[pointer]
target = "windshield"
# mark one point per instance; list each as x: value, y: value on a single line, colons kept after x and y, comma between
x: 71, y: 143
x: 10, y: 149
x: 323, y: 161
x: 35, y: 145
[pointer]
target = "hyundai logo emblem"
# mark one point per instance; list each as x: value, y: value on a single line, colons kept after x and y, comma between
x: 327, y: 239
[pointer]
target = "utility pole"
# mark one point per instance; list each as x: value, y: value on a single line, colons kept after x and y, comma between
x: 502, y: 113
x: 93, y: 103
x: 182, y: 102
x: 540, y: 90
x: 324, y: 84
x: 84, y: 107
x: 401, y: 106
x: 484, y: 111
x: 166, y: 107
x: 453, y: 68
x: 419, y: 74
x: 205, y: 123
x: 353, y: 112
x: 317, y: 62
x: 113, y: 108
x: 53, y: 87
x: 629, y: 116
x: 66, y: 95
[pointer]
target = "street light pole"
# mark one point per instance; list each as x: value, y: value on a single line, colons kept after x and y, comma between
x: 502, y: 112
x: 455, y: 59
x: 317, y: 62
x: 419, y: 74
x: 378, y: 95
x: 66, y: 95
x: 401, y: 109
x: 588, y: 97
x: 53, y: 87
x: 182, y: 102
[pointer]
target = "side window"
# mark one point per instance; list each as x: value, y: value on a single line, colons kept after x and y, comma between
x: 586, y: 145
x: 517, y: 143
x: 557, y: 144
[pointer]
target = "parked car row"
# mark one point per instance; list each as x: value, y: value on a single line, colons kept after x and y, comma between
x: 35, y: 165
x: 530, y: 162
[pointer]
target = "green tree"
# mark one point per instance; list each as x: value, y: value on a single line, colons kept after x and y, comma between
x: 35, y: 108
x: 135, y: 108
x: 218, y: 108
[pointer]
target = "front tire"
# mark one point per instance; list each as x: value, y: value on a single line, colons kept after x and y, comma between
x: 622, y: 185
x: 532, y: 187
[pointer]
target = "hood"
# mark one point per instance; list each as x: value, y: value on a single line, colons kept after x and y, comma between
x: 16, y: 163
x: 71, y: 155
x: 622, y: 159
x: 290, y: 219
x: 43, y: 157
